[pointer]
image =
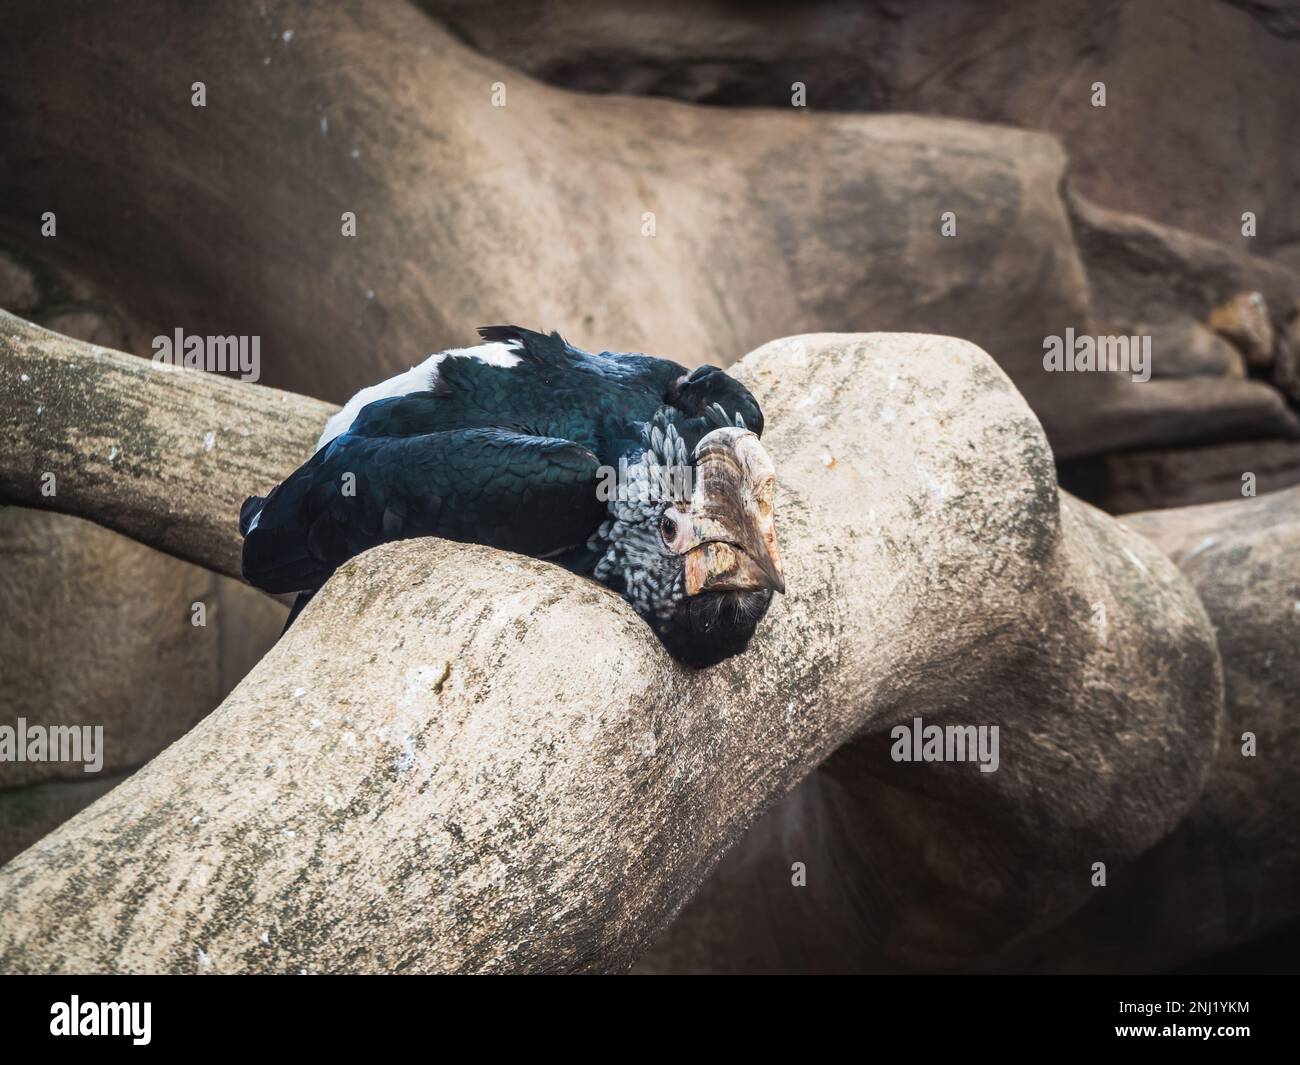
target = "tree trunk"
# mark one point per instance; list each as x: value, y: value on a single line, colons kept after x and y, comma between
x: 460, y: 759
x: 159, y: 454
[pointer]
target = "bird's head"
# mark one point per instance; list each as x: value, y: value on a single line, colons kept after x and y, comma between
x: 695, y: 392
x: 694, y: 549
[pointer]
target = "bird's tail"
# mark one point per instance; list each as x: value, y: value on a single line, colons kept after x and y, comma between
x: 303, y: 599
x: 251, y: 508
x: 276, y: 557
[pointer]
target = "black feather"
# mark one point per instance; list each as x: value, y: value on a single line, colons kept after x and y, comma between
x: 508, y: 456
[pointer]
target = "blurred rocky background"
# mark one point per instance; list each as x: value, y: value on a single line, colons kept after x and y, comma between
x: 1196, y: 130
x: 649, y: 184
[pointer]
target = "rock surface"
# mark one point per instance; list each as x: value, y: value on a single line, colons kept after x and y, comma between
x: 84, y: 661
x: 1177, y: 412
x: 1244, y: 322
x: 765, y: 223
x: 1230, y: 870
x: 19, y: 289
x: 459, y: 759
x: 1128, y: 481
x: 1140, y: 270
x: 97, y: 631
x: 1196, y: 90
x: 1224, y: 877
x: 29, y: 813
x: 1183, y: 347
x: 1286, y: 366
x: 163, y: 454
x: 94, y: 325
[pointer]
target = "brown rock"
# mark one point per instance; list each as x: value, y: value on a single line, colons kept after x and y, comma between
x: 1126, y: 481
x: 1230, y: 870
x: 857, y: 247
x: 1243, y: 320
x: 428, y: 773
x: 1139, y: 270
x: 1224, y: 877
x: 1288, y: 255
x: 1185, y: 412
x: 1286, y: 366
x: 94, y: 325
x: 1183, y: 347
x: 250, y: 622
x: 766, y: 223
x: 19, y: 291
x: 97, y: 631
x: 1194, y: 89
x: 32, y: 811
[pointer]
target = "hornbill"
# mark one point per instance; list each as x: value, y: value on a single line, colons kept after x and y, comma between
x: 625, y: 468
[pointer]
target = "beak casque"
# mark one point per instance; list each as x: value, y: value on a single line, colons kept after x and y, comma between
x: 731, y: 544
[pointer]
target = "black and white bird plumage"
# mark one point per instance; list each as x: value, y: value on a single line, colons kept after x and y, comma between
x: 628, y: 469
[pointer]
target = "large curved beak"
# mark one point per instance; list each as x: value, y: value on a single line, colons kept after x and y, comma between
x: 731, y: 539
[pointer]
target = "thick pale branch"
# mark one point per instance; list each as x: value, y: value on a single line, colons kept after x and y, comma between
x: 162, y: 455
x: 460, y: 759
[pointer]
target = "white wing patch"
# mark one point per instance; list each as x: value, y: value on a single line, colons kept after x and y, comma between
x: 417, y: 379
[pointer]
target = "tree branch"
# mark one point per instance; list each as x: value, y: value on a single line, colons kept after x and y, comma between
x: 162, y: 455
x: 461, y: 759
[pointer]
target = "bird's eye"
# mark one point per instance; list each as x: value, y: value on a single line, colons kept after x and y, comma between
x: 668, y: 528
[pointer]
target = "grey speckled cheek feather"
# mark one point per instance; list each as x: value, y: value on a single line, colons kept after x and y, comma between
x: 634, y: 557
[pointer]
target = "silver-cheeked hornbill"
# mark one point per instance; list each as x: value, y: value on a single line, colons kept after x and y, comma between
x: 625, y: 468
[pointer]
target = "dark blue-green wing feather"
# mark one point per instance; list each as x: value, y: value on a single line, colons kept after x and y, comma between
x: 534, y: 495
